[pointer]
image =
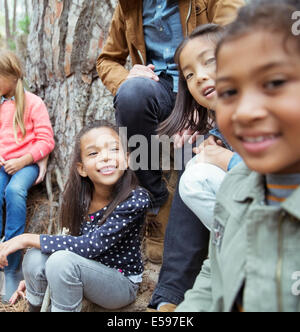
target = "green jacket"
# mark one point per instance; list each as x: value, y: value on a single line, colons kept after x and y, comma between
x: 251, y: 244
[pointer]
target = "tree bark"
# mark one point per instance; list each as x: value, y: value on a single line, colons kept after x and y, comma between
x: 64, y: 42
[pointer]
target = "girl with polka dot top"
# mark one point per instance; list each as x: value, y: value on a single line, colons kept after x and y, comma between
x: 103, y: 208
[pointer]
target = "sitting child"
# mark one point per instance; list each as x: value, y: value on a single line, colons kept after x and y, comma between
x: 254, y: 256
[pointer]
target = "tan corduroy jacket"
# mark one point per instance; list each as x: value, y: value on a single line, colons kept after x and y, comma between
x: 126, y: 35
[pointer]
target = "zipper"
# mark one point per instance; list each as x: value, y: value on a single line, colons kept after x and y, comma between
x: 279, y: 262
x: 187, y: 18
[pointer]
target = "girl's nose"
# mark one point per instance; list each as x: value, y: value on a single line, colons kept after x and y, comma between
x: 202, y: 76
x: 249, y: 108
x: 103, y: 156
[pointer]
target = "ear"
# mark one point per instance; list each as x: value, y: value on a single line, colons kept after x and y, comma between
x: 81, y: 170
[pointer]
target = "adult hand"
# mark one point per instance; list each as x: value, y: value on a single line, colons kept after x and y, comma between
x: 20, y: 292
x: 43, y: 170
x: 143, y: 71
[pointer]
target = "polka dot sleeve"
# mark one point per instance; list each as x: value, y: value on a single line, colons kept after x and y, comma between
x: 124, y: 222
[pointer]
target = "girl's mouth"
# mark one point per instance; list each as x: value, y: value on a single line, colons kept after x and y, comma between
x: 209, y: 91
x: 107, y: 170
x: 258, y: 144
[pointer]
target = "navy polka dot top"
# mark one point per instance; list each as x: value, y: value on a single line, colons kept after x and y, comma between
x: 116, y: 243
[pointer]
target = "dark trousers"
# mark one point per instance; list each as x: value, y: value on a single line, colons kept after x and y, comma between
x: 185, y: 249
x: 141, y: 104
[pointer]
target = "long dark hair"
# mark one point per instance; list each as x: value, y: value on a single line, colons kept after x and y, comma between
x: 182, y: 116
x: 268, y: 15
x: 79, y: 190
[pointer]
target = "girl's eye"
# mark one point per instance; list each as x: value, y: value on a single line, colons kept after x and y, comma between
x: 226, y: 94
x: 91, y: 154
x: 188, y: 76
x: 210, y: 61
x: 274, y: 84
x: 114, y: 149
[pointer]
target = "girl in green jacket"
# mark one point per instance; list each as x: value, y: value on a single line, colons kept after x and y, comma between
x: 254, y: 258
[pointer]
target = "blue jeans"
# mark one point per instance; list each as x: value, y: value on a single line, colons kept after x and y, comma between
x: 70, y: 278
x: 14, y: 190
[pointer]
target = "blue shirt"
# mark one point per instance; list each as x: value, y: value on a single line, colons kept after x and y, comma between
x: 162, y: 33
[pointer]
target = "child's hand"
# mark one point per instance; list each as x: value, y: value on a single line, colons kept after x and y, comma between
x: 183, y: 136
x: 17, y: 243
x: 12, y: 166
x: 20, y: 292
x: 43, y: 169
x: 216, y: 155
x: 2, y: 161
x: 211, y: 140
x: 9, y: 247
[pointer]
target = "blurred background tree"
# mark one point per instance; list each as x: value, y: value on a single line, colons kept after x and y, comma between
x: 14, y: 22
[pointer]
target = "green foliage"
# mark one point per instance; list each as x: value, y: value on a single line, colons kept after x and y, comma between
x: 24, y: 24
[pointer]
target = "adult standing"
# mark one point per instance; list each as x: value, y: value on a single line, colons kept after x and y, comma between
x: 150, y: 31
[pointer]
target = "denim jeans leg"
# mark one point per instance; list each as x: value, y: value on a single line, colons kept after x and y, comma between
x: 16, y: 197
x: 70, y: 277
x: 33, y: 267
x: 4, y: 179
x: 141, y: 104
x: 185, y: 249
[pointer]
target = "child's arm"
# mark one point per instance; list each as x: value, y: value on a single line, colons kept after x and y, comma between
x: 43, y: 132
x: 43, y: 169
x: 102, y: 238
x: 12, y: 166
x: 199, y: 298
x: 17, y: 243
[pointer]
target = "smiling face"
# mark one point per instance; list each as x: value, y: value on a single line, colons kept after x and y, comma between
x: 258, y: 107
x: 198, y: 65
x: 103, y: 158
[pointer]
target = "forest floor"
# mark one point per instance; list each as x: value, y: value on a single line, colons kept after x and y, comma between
x: 38, y: 221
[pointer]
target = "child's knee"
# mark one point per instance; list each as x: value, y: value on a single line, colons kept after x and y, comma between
x: 15, y: 190
x: 61, y: 265
x: 33, y: 263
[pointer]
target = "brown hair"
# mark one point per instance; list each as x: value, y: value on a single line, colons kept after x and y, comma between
x: 182, y: 116
x: 11, y: 68
x: 78, y: 191
x: 268, y: 15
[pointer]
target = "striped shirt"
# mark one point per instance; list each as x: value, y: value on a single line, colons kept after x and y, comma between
x: 280, y: 186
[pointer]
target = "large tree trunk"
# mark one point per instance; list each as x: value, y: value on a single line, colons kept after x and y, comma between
x: 65, y: 40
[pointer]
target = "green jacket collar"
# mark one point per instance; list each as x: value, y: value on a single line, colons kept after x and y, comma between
x: 254, y: 188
